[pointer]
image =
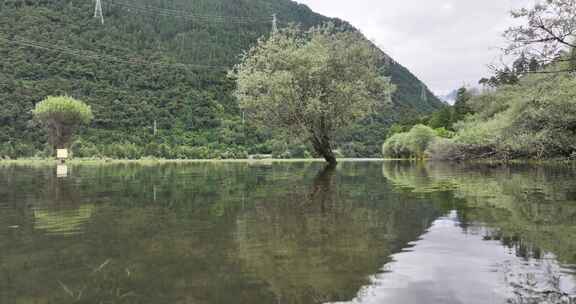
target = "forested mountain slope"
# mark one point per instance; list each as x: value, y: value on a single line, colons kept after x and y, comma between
x: 155, y: 60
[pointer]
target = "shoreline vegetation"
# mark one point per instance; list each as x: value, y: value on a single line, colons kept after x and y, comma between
x: 47, y: 161
x: 533, y: 119
x: 158, y: 161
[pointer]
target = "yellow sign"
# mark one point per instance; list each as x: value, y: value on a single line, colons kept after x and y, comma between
x: 62, y: 153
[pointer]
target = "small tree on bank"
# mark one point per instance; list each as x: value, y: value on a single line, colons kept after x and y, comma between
x: 311, y: 84
x: 61, y: 116
x: 412, y: 144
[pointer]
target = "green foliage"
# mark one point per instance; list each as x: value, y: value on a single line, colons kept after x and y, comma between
x: 192, y: 106
x: 397, y: 146
x: 61, y: 116
x: 443, y: 118
x: 534, y: 119
x: 461, y: 106
x: 444, y: 133
x: 419, y: 138
x: 311, y: 84
x: 123, y: 151
x: 397, y: 128
x: 410, y: 144
x: 12, y: 150
x: 85, y: 149
x: 65, y: 109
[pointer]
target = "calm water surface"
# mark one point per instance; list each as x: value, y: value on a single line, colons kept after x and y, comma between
x: 366, y: 232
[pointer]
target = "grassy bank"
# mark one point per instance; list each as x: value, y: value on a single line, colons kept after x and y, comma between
x: 150, y: 161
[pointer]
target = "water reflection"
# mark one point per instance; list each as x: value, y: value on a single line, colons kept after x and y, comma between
x: 61, y: 170
x: 319, y: 243
x: 286, y: 233
x: 205, y: 233
x: 533, y: 207
x: 447, y: 265
x: 461, y: 258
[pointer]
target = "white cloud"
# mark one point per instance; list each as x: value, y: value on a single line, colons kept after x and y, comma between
x: 447, y: 6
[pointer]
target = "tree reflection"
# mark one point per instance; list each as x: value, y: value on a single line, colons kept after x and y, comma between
x: 321, y: 244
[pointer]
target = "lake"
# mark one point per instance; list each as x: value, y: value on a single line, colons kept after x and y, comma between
x: 261, y: 232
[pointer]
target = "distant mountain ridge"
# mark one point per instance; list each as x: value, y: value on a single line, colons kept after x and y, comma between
x: 156, y: 61
x: 450, y: 98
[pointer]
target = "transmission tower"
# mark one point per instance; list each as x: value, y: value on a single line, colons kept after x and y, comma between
x: 274, y: 24
x: 98, y: 11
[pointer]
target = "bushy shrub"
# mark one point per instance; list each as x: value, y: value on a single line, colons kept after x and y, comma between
x: 186, y: 152
x: 280, y: 149
x: 123, y: 151
x: 444, y: 133
x: 534, y: 119
x: 84, y: 149
x: 45, y: 152
x: 232, y: 153
x: 397, y: 146
x: 165, y: 151
x: 411, y: 144
x: 6, y: 151
x: 419, y: 138
x: 151, y: 150
x: 16, y: 150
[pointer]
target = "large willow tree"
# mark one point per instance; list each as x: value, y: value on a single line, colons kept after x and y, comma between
x: 312, y: 84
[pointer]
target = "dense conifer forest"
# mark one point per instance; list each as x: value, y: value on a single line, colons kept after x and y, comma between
x: 155, y: 75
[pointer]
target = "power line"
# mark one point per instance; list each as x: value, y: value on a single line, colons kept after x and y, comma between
x: 192, y: 16
x: 139, y: 10
x: 130, y: 6
x: 97, y: 56
x: 178, y: 11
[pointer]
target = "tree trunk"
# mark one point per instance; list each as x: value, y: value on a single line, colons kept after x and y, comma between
x: 323, y: 147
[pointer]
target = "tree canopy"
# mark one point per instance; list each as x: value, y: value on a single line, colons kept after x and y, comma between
x: 461, y: 107
x: 312, y: 83
x: 547, y: 34
x: 61, y: 116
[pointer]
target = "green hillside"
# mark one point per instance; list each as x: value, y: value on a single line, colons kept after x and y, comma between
x: 155, y: 60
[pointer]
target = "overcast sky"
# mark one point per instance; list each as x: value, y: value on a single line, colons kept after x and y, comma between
x: 446, y: 43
